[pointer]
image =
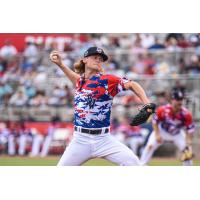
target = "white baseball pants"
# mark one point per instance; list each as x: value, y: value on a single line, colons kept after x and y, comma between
x: 46, y: 145
x: 37, y: 141
x: 84, y: 147
x: 152, y: 144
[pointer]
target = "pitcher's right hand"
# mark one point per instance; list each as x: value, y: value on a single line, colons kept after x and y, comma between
x: 55, y: 57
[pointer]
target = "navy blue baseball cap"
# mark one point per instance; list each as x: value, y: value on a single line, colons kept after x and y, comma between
x: 177, y: 95
x: 96, y: 51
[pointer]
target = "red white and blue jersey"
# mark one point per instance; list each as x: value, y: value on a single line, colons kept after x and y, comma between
x: 173, y: 123
x: 93, y: 100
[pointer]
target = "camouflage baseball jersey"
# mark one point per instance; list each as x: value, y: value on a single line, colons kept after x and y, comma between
x: 93, y: 100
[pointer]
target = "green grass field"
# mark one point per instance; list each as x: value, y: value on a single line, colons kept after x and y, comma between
x: 52, y: 161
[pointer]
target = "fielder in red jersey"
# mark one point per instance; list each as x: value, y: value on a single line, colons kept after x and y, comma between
x: 172, y: 122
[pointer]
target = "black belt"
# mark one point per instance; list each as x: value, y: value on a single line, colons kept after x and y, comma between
x: 90, y: 131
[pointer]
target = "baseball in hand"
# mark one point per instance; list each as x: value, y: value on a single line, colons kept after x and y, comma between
x: 54, y: 57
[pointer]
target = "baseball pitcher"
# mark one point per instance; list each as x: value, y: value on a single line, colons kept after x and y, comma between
x: 93, y: 101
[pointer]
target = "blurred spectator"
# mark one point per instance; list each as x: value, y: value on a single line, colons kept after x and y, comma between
x: 137, y: 46
x: 39, y: 100
x: 194, y: 65
x: 161, y: 98
x: 143, y: 65
x: 8, y: 50
x: 40, y: 44
x: 68, y: 46
x: 31, y: 51
x: 182, y: 42
x: 60, y: 96
x: 51, y: 44
x: 76, y: 42
x: 30, y: 90
x: 114, y: 62
x: 194, y: 40
x: 5, y: 92
x: 147, y: 40
x: 162, y: 67
x: 175, y: 36
x: 1, y: 70
x: 172, y: 45
x: 110, y: 67
x: 68, y: 96
x: 157, y: 45
x: 181, y: 65
x: 26, y: 65
x: 150, y: 63
x: 18, y: 99
x: 124, y: 41
x: 40, y: 78
x: 113, y: 43
x: 57, y: 94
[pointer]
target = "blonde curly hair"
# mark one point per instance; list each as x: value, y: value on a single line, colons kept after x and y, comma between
x: 79, y: 67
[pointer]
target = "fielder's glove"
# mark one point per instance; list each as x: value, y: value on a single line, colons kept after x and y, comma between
x: 143, y: 114
x: 187, y: 154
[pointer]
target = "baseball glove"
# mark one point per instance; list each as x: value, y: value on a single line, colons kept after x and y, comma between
x: 187, y: 154
x: 143, y: 115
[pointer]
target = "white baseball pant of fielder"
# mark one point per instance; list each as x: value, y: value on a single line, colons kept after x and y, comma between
x: 46, y: 144
x: 11, y: 145
x: 37, y: 141
x: 23, y: 140
x: 22, y: 144
x: 152, y: 144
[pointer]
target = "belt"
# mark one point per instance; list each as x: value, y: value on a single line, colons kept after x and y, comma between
x: 91, y: 131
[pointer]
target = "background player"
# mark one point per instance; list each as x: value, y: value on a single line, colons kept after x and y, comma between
x: 133, y: 136
x: 25, y: 137
x: 172, y: 122
x: 93, y: 101
x: 36, y: 144
x: 49, y: 137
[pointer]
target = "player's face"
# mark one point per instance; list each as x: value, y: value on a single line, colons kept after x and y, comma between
x: 177, y: 104
x: 94, y: 62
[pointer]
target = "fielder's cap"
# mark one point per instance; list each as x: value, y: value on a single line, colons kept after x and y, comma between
x: 177, y: 94
x: 96, y: 51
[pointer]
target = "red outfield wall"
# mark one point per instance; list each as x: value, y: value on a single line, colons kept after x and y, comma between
x: 18, y: 39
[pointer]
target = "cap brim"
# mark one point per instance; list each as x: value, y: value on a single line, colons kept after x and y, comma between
x: 104, y: 56
x: 178, y: 99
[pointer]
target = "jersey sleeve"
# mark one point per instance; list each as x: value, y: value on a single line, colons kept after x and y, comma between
x: 158, y: 115
x: 189, y: 124
x: 116, y: 84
